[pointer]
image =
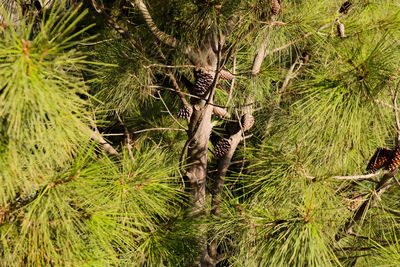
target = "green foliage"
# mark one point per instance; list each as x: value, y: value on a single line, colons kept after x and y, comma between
x: 65, y: 201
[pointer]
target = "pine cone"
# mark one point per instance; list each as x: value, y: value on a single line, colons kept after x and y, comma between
x: 184, y: 112
x: 275, y: 7
x: 395, y: 162
x: 247, y: 121
x: 345, y: 7
x: 382, y: 157
x: 222, y: 147
x: 203, y: 82
x: 340, y: 29
x: 355, y: 201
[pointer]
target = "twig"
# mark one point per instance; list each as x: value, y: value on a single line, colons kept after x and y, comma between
x: 360, y: 177
x: 386, y: 104
x: 384, y: 184
x: 303, y: 37
x: 291, y: 74
x: 178, y: 90
x: 158, y: 129
x: 169, y: 112
x: 95, y: 43
x: 232, y: 83
x: 128, y: 139
x: 394, y: 99
x: 198, y: 97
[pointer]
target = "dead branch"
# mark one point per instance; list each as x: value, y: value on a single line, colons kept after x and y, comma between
x: 395, y: 94
x: 158, y: 129
x: 360, y: 177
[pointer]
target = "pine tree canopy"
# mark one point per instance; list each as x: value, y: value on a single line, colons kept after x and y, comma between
x: 199, y: 133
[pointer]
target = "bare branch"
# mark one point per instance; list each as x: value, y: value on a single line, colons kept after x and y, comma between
x: 169, y: 112
x: 233, y: 81
x: 158, y: 129
x: 385, y: 104
x: 360, y: 177
x: 395, y: 94
x: 178, y: 90
x: 98, y: 42
x: 106, y: 146
x: 304, y: 36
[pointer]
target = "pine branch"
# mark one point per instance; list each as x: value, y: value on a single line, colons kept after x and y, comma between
x: 163, y: 37
x: 395, y: 94
x: 305, y: 36
x: 383, y: 185
x: 22, y: 201
x: 169, y: 112
x: 360, y: 177
x: 115, y: 25
x: 106, y: 146
x: 128, y: 138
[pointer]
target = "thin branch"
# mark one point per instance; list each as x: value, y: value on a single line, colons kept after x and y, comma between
x: 98, y: 42
x: 384, y: 184
x: 128, y: 139
x: 360, y: 177
x: 106, y: 146
x: 198, y: 97
x: 169, y: 112
x: 21, y: 201
x: 385, y: 104
x: 396, y: 114
x: 178, y: 90
x: 304, y: 36
x: 291, y: 74
x: 159, y: 129
x: 232, y: 83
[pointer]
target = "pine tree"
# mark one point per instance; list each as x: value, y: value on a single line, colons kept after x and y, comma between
x: 199, y: 133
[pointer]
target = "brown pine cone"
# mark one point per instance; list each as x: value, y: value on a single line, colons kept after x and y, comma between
x: 395, y: 162
x: 382, y: 158
x: 203, y: 82
x: 340, y: 29
x: 184, y: 112
x: 222, y: 147
x: 275, y: 7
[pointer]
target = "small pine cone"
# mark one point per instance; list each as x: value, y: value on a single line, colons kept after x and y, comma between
x: 275, y: 7
x: 355, y: 202
x: 340, y: 29
x: 345, y: 7
x: 247, y: 121
x: 395, y: 162
x: 184, y: 112
x: 222, y: 147
x: 203, y: 82
x: 381, y: 158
